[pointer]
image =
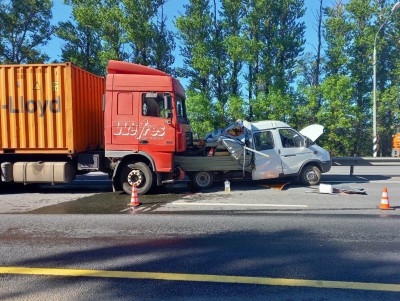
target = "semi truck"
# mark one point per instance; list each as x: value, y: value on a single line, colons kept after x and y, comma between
x: 58, y: 120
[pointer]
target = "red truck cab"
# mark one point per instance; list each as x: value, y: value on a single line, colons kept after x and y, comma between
x: 145, y: 125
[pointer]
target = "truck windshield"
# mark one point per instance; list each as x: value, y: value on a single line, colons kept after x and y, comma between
x: 181, y: 110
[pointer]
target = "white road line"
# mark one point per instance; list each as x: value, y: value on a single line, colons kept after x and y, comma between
x: 237, y: 205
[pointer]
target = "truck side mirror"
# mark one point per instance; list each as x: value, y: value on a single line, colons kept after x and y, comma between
x: 168, y: 105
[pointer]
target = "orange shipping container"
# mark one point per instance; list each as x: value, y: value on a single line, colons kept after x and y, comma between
x: 50, y: 108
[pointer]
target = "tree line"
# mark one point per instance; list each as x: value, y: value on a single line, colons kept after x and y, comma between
x: 243, y: 59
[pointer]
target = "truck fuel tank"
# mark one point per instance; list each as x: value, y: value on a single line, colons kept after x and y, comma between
x: 44, y: 172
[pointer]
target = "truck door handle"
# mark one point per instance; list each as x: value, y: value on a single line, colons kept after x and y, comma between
x: 144, y: 141
x: 293, y: 155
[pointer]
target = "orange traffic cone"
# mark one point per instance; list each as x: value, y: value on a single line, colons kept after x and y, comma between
x: 385, y: 200
x: 134, y: 197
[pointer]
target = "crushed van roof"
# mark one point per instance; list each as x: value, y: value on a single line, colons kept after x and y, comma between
x: 268, y: 124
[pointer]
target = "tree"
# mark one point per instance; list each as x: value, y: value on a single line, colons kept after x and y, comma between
x: 339, y: 111
x: 82, y: 47
x: 151, y: 42
x: 235, y: 52
x: 338, y: 115
x: 103, y: 18
x: 388, y: 80
x: 139, y: 30
x: 281, y: 40
x: 360, y: 13
x: 233, y: 12
x: 164, y: 43
x: 195, y: 28
x: 195, y: 32
x: 24, y: 28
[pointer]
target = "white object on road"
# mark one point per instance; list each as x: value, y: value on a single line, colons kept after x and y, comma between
x: 325, y: 188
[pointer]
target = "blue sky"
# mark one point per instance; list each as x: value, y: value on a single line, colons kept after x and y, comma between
x: 172, y: 9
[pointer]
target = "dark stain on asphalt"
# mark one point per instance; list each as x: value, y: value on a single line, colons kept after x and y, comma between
x: 115, y: 203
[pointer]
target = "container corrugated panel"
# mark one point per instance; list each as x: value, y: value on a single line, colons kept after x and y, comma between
x: 50, y: 108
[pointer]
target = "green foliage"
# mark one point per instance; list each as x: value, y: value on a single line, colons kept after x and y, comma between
x: 388, y: 115
x: 195, y: 28
x: 151, y: 42
x: 201, y: 113
x: 119, y: 30
x: 82, y: 46
x: 243, y: 58
x: 276, y: 105
x: 103, y: 18
x: 338, y: 115
x: 236, y: 108
x: 24, y: 29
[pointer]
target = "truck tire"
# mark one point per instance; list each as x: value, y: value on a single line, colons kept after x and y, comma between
x: 202, y: 179
x: 137, y: 173
x: 310, y: 175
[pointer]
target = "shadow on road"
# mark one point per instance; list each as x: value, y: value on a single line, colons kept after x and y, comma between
x: 293, y: 254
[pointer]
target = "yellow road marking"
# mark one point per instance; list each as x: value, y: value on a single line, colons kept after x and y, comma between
x: 202, y: 278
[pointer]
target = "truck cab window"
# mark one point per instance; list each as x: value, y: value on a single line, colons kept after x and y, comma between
x: 263, y: 141
x: 291, y: 138
x: 153, y: 104
x: 181, y: 110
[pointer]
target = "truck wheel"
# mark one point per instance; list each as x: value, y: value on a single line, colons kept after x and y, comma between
x: 140, y: 175
x: 310, y: 175
x: 202, y: 179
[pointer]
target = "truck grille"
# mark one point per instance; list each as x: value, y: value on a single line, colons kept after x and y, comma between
x: 189, y: 138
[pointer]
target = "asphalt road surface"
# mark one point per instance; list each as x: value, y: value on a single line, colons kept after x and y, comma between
x: 265, y: 256
x: 254, y: 243
x: 91, y: 194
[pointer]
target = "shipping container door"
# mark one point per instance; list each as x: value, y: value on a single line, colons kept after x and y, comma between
x: 156, y: 132
x: 125, y: 125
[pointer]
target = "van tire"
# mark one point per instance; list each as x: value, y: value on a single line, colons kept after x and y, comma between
x: 137, y: 173
x: 202, y: 179
x: 310, y: 175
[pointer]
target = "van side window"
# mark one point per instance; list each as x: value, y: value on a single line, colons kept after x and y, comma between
x: 263, y: 141
x: 291, y: 138
x: 152, y: 104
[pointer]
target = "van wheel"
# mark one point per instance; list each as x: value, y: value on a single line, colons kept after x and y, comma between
x: 310, y: 175
x: 202, y: 179
x: 140, y: 175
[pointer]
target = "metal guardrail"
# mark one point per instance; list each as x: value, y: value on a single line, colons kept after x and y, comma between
x: 364, y: 161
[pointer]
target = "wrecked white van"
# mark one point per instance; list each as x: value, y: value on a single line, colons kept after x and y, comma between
x: 258, y: 151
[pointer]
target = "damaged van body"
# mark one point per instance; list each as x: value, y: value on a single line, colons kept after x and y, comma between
x: 258, y: 151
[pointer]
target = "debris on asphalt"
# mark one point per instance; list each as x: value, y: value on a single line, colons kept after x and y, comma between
x: 340, y: 189
x: 279, y: 186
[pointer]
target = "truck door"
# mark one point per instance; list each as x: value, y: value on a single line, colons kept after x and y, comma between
x: 125, y: 119
x: 293, y: 150
x: 266, y: 167
x: 156, y: 131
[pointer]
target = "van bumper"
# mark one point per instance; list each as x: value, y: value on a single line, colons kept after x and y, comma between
x: 326, y: 166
